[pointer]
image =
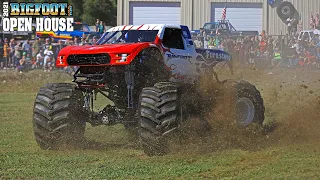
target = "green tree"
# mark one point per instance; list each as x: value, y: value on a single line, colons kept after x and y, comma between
x: 104, y: 10
x: 77, y: 9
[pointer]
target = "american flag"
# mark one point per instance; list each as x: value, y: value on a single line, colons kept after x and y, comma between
x: 300, y: 26
x: 312, y: 22
x: 224, y: 16
x: 317, y: 20
x: 224, y: 13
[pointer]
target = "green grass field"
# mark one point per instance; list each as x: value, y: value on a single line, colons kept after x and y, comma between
x: 111, y: 153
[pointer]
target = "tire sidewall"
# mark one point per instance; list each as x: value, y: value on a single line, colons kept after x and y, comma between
x: 284, y: 5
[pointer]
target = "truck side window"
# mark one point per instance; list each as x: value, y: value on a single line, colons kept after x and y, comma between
x: 172, y: 38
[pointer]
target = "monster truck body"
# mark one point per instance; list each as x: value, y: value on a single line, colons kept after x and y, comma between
x: 180, y: 57
x: 145, y: 71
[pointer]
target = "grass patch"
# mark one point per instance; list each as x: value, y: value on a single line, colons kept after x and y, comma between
x: 117, y: 158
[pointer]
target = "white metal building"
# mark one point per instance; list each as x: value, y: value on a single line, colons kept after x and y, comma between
x: 243, y: 14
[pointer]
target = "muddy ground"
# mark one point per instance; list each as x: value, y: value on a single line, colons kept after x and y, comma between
x: 292, y: 102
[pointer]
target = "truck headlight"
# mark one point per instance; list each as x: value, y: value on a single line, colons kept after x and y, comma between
x: 123, y: 57
x: 60, y: 59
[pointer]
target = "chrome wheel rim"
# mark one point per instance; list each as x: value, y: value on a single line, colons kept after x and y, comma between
x: 244, y: 111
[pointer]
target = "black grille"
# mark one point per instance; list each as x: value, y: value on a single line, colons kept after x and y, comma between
x: 88, y: 59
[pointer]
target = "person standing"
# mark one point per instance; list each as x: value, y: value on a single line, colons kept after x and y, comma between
x: 26, y: 47
x: 289, y: 25
x: 294, y: 27
x: 1, y: 54
x: 97, y: 25
x: 6, y: 51
x: 35, y: 48
x: 17, y: 55
x: 101, y: 27
x: 317, y: 21
x: 12, y: 44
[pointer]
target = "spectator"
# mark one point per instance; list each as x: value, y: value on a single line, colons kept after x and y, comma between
x: 1, y: 54
x: 292, y: 57
x: 35, y: 47
x: 26, y: 47
x: 75, y: 41
x: 311, y: 53
x: 21, y: 64
x: 101, y: 27
x: 39, y: 60
x: 58, y: 48
x: 12, y: 45
x: 277, y: 60
x: 206, y: 43
x: 252, y: 56
x: 17, y: 54
x: 297, y: 47
x: 318, y: 21
x: 294, y: 27
x: 94, y: 40
x: 6, y: 51
x: 47, y: 44
x: 28, y: 61
x: 289, y: 25
x: 97, y: 25
x: 47, y: 59
x: 52, y: 40
x: 211, y: 43
x: 198, y: 43
x: 318, y: 55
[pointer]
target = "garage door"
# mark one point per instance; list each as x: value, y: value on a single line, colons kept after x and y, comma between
x: 243, y: 16
x: 154, y: 13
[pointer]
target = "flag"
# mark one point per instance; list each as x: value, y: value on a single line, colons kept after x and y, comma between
x: 224, y: 13
x: 223, y: 17
x: 312, y: 22
x: 300, y: 28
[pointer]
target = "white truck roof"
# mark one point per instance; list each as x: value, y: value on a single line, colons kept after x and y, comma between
x: 143, y: 27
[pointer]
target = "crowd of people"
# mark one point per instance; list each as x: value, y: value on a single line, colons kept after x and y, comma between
x: 266, y: 51
x: 259, y: 51
x: 38, y: 54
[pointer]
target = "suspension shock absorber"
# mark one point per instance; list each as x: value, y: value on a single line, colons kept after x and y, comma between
x: 129, y: 77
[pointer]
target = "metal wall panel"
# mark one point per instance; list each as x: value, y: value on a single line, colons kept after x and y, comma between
x: 194, y: 13
x: 242, y: 16
x: 148, y: 13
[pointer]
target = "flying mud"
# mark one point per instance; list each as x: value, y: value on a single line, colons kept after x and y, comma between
x: 292, y: 102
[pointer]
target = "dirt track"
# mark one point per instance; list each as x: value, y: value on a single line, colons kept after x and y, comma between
x: 292, y: 100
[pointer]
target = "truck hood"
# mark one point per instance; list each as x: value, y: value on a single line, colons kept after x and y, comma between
x: 108, y: 48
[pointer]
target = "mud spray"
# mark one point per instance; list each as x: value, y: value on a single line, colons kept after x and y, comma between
x: 292, y: 103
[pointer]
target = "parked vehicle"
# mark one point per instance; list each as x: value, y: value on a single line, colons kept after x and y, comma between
x: 308, y: 34
x: 152, y: 74
x: 78, y: 30
x: 225, y: 28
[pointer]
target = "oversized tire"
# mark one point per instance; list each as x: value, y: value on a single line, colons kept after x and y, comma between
x: 158, y: 116
x: 285, y: 10
x: 58, y: 117
x: 246, y: 102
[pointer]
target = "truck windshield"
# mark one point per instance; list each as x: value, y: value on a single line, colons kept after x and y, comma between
x: 128, y: 36
x: 209, y: 26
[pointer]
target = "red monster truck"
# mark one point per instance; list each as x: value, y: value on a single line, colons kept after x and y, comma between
x: 149, y: 72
